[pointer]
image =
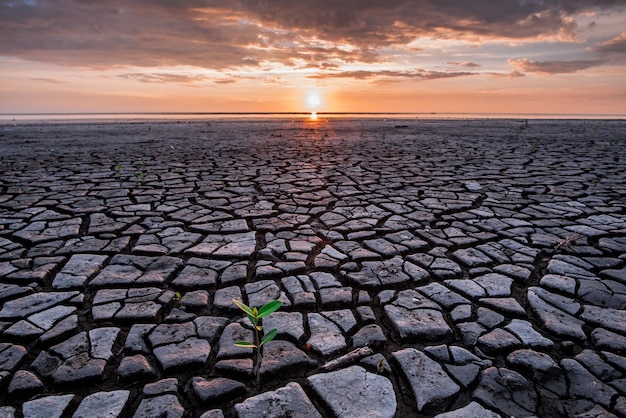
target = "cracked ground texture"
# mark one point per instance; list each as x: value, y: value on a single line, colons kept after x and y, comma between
x: 425, y: 267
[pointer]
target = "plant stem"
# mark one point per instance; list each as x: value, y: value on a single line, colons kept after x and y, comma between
x: 257, y: 367
x: 257, y: 363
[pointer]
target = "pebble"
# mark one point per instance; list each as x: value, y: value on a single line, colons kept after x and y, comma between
x: 473, y: 409
x: 343, y: 389
x: 109, y: 404
x: 192, y: 352
x: 164, y: 405
x: 414, y: 317
x: 24, y: 382
x: 289, y: 400
x: 47, y: 407
x: 506, y: 391
x: 429, y: 382
x: 326, y: 336
x: 282, y: 356
x: 210, y: 390
x: 135, y: 367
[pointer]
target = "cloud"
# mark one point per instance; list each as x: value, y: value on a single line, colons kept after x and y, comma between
x: 47, y: 80
x: 616, y: 45
x: 516, y: 74
x: 162, y: 78
x: 225, y: 81
x: 386, y: 22
x: 391, y: 76
x: 115, y: 33
x: 464, y: 64
x: 242, y: 34
x: 552, y: 67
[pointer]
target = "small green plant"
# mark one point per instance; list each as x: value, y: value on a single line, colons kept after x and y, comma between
x: 380, y: 367
x: 177, y: 300
x: 255, y: 315
x: 140, y: 175
x: 117, y: 169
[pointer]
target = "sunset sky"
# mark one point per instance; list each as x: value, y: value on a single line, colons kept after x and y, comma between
x: 504, y: 56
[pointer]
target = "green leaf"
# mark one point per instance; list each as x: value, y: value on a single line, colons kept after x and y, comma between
x: 244, y: 344
x: 242, y: 306
x: 269, y: 308
x: 268, y: 337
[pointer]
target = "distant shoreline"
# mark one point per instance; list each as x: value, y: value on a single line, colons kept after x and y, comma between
x: 121, y: 116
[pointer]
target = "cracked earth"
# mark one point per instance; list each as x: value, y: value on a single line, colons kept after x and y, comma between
x: 425, y: 268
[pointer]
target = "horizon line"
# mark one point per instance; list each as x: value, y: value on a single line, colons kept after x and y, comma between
x: 301, y: 113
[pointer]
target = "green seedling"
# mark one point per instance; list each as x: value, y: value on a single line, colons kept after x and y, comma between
x: 117, y: 171
x: 177, y: 299
x: 380, y: 367
x: 139, y: 176
x: 260, y: 338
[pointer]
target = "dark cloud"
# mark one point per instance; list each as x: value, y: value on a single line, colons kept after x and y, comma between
x: 105, y: 34
x: 553, y: 67
x: 384, y: 22
x: 236, y: 34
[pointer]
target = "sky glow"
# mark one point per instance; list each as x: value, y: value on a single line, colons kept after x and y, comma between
x: 506, y: 56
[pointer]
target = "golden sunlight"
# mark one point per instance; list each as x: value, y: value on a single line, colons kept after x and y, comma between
x: 314, y: 100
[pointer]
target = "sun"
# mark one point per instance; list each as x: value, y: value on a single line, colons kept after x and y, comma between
x: 314, y: 100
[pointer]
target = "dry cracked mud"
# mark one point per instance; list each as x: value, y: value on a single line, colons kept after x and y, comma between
x: 426, y: 268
